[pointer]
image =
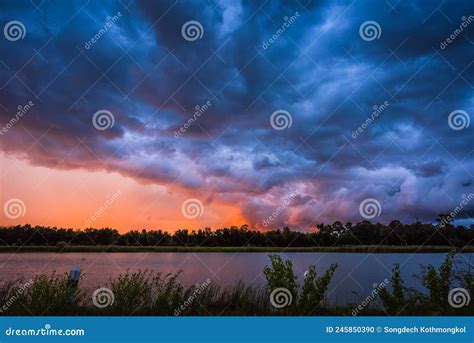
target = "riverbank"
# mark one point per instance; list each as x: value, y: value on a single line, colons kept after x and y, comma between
x: 194, y: 249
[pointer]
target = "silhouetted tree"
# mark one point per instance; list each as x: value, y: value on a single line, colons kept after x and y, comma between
x: 362, y: 233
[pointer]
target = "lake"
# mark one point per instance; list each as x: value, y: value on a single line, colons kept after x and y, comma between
x: 353, y: 280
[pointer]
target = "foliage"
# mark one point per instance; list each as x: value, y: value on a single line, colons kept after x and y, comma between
x: 143, y: 290
x: 397, y: 301
x: 337, y: 234
x: 465, y: 277
x: 280, y: 275
x: 438, y: 282
x: 314, y: 288
x: 240, y: 299
x: 48, y: 295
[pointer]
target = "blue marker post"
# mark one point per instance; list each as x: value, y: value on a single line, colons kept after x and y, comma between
x: 74, y: 275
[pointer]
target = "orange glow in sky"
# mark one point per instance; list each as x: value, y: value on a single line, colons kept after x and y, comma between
x: 71, y: 198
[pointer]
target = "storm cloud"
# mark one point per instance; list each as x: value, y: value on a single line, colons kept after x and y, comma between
x: 370, y: 117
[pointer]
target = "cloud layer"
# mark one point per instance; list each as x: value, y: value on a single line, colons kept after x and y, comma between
x: 369, y: 118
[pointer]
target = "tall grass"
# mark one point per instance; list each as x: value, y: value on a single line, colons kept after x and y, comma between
x: 48, y: 295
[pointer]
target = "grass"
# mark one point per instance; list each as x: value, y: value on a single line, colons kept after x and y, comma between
x: 158, y: 249
x: 144, y: 293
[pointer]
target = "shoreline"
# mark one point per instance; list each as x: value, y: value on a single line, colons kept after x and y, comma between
x: 194, y: 249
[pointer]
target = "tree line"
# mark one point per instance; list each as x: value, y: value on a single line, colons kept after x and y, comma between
x: 362, y: 233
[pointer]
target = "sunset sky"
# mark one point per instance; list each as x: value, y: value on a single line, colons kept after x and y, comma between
x: 300, y: 112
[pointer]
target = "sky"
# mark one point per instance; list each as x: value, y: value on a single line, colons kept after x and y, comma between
x: 187, y: 114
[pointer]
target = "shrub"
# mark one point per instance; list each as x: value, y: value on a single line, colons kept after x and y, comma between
x: 144, y: 292
x: 280, y: 275
x: 132, y: 292
x: 314, y: 288
x: 50, y: 295
x: 399, y: 300
x: 438, y: 282
x: 167, y: 293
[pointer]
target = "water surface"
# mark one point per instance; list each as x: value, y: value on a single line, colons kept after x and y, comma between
x: 353, y: 280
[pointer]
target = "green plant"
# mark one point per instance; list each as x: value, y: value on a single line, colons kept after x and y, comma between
x: 167, y: 293
x: 280, y: 275
x: 438, y: 282
x: 132, y: 292
x: 144, y: 292
x: 49, y: 295
x: 465, y: 277
x: 237, y: 300
x: 398, y: 301
x: 314, y: 288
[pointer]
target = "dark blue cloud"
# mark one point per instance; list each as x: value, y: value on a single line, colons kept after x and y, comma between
x: 254, y: 58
